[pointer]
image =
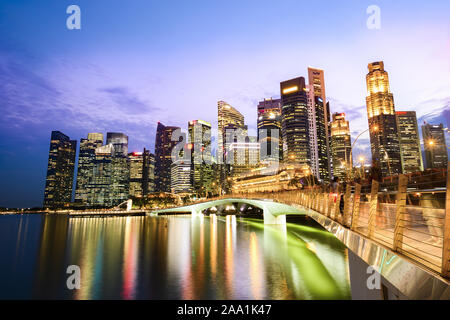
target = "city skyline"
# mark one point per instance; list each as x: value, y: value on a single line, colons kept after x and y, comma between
x: 29, y: 118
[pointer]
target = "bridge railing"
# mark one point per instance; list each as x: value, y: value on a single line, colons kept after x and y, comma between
x: 408, y: 214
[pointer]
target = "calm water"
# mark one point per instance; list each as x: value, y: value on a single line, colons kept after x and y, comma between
x: 173, y: 257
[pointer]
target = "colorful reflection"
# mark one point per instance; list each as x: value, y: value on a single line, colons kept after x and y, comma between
x: 177, y: 257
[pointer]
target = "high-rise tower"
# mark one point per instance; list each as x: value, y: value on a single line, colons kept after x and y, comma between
x: 60, y: 170
x: 269, y: 130
x: 341, y: 146
x: 435, y: 147
x: 86, y: 159
x: 384, y: 140
x: 163, y: 152
x: 294, y: 122
x: 408, y: 134
x: 321, y: 121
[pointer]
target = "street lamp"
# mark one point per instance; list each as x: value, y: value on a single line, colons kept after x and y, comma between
x: 374, y: 129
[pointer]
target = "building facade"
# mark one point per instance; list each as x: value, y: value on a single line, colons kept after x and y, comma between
x: 384, y: 141
x: 269, y: 130
x: 142, y: 168
x: 163, y: 160
x: 294, y: 122
x: 408, y: 135
x: 321, y: 118
x: 201, y: 158
x: 341, y: 147
x: 86, y: 159
x: 436, y: 155
x: 60, y: 171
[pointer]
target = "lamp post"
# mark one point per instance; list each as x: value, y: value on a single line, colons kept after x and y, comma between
x: 375, y: 129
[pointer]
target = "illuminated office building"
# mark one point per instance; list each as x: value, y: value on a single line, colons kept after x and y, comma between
x: 227, y: 116
x: 319, y: 106
x: 243, y: 155
x: 408, y: 134
x: 269, y: 130
x: 85, y: 170
x: 294, y: 122
x: 435, y: 146
x: 180, y: 176
x: 201, y: 159
x: 119, y: 142
x: 141, y: 173
x: 98, y: 190
x: 384, y: 140
x: 60, y: 170
x: 341, y: 147
x: 120, y: 169
x: 163, y: 159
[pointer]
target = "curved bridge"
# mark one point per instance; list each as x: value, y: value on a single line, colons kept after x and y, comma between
x: 273, y: 212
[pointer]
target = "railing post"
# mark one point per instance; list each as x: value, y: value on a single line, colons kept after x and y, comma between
x: 373, y: 208
x: 400, y: 204
x: 330, y: 205
x: 356, y: 202
x: 337, y: 206
x: 446, y: 244
x: 348, y: 190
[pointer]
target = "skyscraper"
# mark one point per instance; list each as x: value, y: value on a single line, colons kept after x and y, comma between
x: 227, y: 115
x: 382, y: 121
x: 141, y: 173
x: 316, y: 79
x: 60, y: 170
x: 99, y: 188
x: 180, y: 176
x: 163, y: 159
x: 294, y: 121
x: 435, y: 147
x: 341, y: 147
x: 269, y: 129
x: 86, y: 159
x: 120, y: 173
x: 408, y: 134
x: 119, y: 142
x: 201, y: 161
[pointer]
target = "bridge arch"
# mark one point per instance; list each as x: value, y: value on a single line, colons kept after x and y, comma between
x: 273, y: 212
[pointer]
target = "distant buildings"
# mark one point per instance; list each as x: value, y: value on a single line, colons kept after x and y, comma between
x: 86, y: 160
x: 435, y: 147
x: 319, y: 118
x: 142, y: 168
x: 384, y: 139
x: 227, y: 118
x: 269, y: 130
x: 341, y: 146
x: 201, y: 158
x: 60, y: 170
x: 163, y: 160
x: 408, y: 134
x: 294, y: 122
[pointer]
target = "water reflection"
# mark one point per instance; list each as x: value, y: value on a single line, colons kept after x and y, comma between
x: 175, y: 257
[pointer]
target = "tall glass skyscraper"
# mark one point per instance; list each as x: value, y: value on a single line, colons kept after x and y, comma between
x: 60, y: 171
x: 227, y: 115
x: 435, y: 147
x: 320, y: 108
x: 341, y: 147
x: 201, y: 159
x: 384, y: 140
x: 163, y: 160
x: 141, y: 173
x: 294, y: 122
x: 86, y: 158
x: 269, y: 130
x: 408, y: 134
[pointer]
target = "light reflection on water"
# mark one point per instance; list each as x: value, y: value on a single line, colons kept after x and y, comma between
x: 172, y: 257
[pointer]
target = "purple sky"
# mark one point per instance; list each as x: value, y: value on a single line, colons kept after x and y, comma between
x: 134, y: 64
